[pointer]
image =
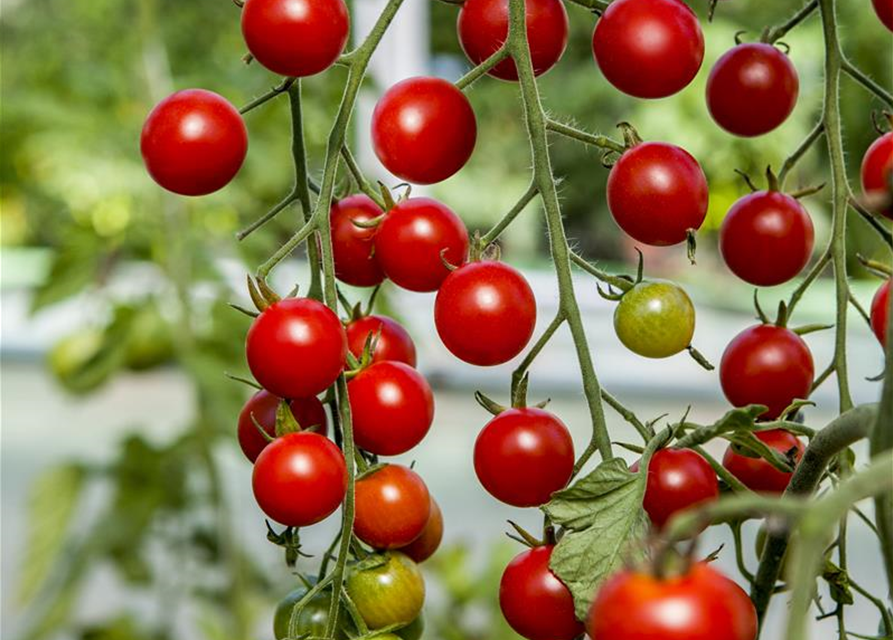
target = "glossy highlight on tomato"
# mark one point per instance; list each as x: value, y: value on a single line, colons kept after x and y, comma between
x: 678, y: 479
x: 391, y: 594
x: 393, y: 507
x: 394, y: 342
x: 429, y: 541
x: 194, y: 142
x: 880, y: 312
x: 757, y: 474
x: 655, y: 319
x: 353, y: 246
x: 877, y: 175
x: 261, y: 408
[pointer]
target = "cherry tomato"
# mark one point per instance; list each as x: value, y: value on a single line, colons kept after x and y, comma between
x: 677, y: 480
x: 648, y: 48
x: 877, y: 174
x: 432, y: 535
x: 194, y: 142
x: 657, y: 193
x: 392, y: 408
x: 756, y: 473
x: 752, y: 89
x: 523, y: 456
x: 415, y: 239
x: 485, y: 313
x: 655, y: 319
x: 391, y: 594
x: 393, y: 507
x: 534, y: 602
x: 766, y: 238
x: 296, y: 348
x: 313, y: 618
x: 394, y: 342
x: 880, y: 310
x: 353, y: 247
x: 766, y: 365
x: 701, y: 604
x: 423, y: 130
x: 413, y: 631
x: 295, y: 37
x: 300, y: 479
x: 262, y: 406
x: 884, y: 11
x: 484, y: 25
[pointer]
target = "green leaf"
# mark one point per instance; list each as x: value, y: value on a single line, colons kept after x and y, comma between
x: 75, y: 266
x: 604, y: 519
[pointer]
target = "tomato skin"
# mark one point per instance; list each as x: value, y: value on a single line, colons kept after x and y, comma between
x: 393, y: 507
x: 485, y: 313
x: 534, y: 602
x: 880, y: 313
x: 313, y: 618
x: 308, y: 412
x: 757, y: 474
x: 392, y: 408
x: 300, y: 479
x: 877, y: 172
x: 428, y: 542
x: 295, y: 38
x: 423, y: 130
x: 286, y: 338
x: 353, y: 246
x: 766, y: 238
x: 415, y: 238
x: 483, y: 27
x: 766, y: 365
x: 648, y: 48
x: 702, y: 604
x: 657, y: 192
x: 655, y: 319
x: 392, y: 594
x: 884, y: 11
x: 394, y: 342
x: 677, y: 480
x: 194, y: 142
x: 523, y: 456
x: 752, y: 89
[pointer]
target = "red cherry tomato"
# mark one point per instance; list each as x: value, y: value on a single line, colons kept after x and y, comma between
x: 423, y: 130
x: 394, y: 342
x: 884, y: 11
x: 766, y: 238
x: 756, y: 473
x: 296, y: 348
x: 523, y: 456
x: 427, y: 544
x: 766, y: 365
x: 194, y: 142
x: 393, y: 507
x: 300, y: 479
x: 677, y: 480
x: 535, y: 603
x: 483, y: 27
x: 752, y: 89
x: 877, y: 174
x: 262, y: 406
x: 657, y: 192
x: 295, y: 37
x: 415, y: 239
x: 353, y: 246
x: 392, y: 408
x: 701, y: 604
x: 485, y: 313
x: 648, y: 48
x: 880, y: 312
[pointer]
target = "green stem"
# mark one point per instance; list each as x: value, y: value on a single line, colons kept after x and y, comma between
x: 540, y: 344
x: 774, y: 34
x: 362, y: 183
x: 794, y: 158
x: 811, y: 276
x: 494, y: 233
x: 276, y: 91
x: 615, y: 281
x: 598, y: 6
x: 646, y: 431
x: 862, y: 78
x: 601, y: 141
x: 482, y: 69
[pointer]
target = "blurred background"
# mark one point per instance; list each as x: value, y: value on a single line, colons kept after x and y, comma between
x: 127, y: 512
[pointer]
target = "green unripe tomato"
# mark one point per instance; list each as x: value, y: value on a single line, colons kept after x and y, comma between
x: 413, y: 631
x: 313, y: 618
x: 391, y: 594
x: 149, y: 340
x: 70, y: 361
x: 655, y: 319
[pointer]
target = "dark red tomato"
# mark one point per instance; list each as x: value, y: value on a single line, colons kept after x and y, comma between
x: 766, y: 238
x: 415, y: 238
x: 523, y: 456
x: 300, y: 479
x: 880, y: 312
x: 262, y: 406
x: 766, y: 365
x: 353, y: 247
x: 701, y: 604
x: 648, y: 48
x: 296, y: 348
x: 657, y: 193
x: 485, y: 313
x: 427, y: 544
x: 884, y: 11
x: 535, y: 603
x: 677, y: 479
x: 484, y: 25
x: 194, y: 142
x: 877, y: 174
x: 392, y: 408
x: 394, y: 342
x: 393, y: 507
x: 423, y: 130
x: 295, y: 37
x: 752, y: 89
x: 756, y: 473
